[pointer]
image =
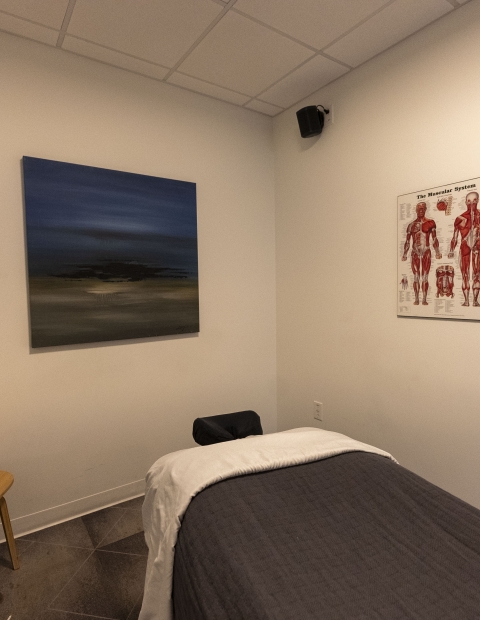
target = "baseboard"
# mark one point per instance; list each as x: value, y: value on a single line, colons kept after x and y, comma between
x: 71, y: 510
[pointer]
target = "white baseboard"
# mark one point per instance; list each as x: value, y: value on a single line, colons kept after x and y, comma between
x: 71, y: 510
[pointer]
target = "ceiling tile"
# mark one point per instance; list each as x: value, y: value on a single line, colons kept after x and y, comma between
x: 305, y: 80
x: 46, y: 12
x: 315, y: 22
x: 84, y: 48
x: 27, y: 29
x: 157, y: 31
x: 388, y: 27
x: 185, y: 81
x: 264, y: 108
x: 244, y: 56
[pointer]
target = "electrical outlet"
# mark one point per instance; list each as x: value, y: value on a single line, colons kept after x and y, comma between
x: 329, y: 116
x: 317, y: 410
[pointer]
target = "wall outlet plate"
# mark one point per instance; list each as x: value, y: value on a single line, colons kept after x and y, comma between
x: 330, y: 116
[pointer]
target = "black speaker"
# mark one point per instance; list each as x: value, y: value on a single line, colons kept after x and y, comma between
x: 310, y: 121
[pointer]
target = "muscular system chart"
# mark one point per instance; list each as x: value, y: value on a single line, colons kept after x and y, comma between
x: 439, y: 252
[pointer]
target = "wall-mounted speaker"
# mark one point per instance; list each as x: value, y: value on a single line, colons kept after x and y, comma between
x: 310, y: 121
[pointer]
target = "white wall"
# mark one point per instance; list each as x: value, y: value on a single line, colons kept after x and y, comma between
x: 407, y: 120
x: 89, y: 420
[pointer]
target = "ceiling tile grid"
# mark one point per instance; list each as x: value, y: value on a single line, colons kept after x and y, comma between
x: 315, y: 73
x: 391, y: 25
x: 265, y: 55
x: 264, y: 108
x: 314, y: 22
x: 190, y: 83
x: 45, y: 12
x: 112, y: 57
x: 242, y: 55
x: 27, y: 29
x: 158, y: 31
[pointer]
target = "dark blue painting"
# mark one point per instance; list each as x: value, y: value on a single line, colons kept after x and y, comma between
x: 111, y: 255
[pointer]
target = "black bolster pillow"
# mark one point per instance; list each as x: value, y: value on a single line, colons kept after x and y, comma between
x: 218, y: 428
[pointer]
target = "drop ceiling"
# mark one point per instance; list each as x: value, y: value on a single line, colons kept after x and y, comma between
x: 265, y: 55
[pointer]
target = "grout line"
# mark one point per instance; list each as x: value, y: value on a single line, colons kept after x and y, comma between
x: 76, y: 613
x: 207, y: 31
x: 83, y: 563
x: 66, y: 22
x: 137, y: 555
x: 42, y: 542
x: 137, y: 601
x: 69, y: 580
x: 111, y: 529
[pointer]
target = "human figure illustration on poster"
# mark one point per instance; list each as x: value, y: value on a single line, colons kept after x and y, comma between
x: 404, y: 282
x: 420, y: 231
x: 445, y: 275
x: 467, y: 225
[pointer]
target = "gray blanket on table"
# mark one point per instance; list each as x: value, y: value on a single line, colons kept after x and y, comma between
x: 352, y: 537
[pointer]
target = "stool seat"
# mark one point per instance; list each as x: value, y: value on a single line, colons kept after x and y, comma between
x: 6, y: 481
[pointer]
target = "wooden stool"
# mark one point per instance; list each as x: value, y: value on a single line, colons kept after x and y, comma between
x: 6, y: 481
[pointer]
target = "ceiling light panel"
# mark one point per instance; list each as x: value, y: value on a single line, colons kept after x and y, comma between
x: 389, y: 26
x: 305, y: 80
x: 46, y: 12
x: 315, y: 22
x: 198, y: 86
x: 160, y: 32
x: 90, y: 50
x: 244, y: 56
x: 26, y: 29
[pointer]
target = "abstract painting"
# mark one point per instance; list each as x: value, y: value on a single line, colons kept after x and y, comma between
x: 111, y: 255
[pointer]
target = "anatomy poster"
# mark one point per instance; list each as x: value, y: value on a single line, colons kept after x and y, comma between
x: 439, y: 252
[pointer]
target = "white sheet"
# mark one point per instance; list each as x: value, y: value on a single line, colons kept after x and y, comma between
x: 177, y: 477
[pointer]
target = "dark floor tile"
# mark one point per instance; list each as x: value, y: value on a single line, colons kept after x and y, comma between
x: 70, y: 534
x: 133, y: 504
x: 86, y: 532
x: 130, y: 523
x: 44, y: 571
x: 100, y: 523
x: 136, y: 610
x: 51, y: 614
x: 108, y: 585
x: 5, y: 560
x: 135, y: 545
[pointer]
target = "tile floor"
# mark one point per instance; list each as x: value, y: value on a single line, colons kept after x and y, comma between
x: 85, y: 569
